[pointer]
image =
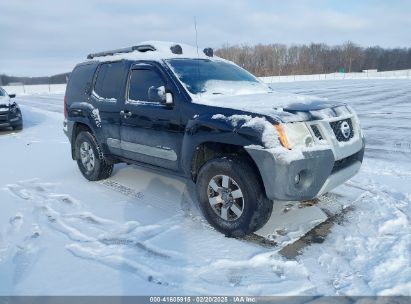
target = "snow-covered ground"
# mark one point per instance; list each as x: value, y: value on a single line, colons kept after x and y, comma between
x: 365, y: 75
x: 139, y: 233
x: 21, y: 89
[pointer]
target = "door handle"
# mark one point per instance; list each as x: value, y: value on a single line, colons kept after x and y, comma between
x: 125, y: 113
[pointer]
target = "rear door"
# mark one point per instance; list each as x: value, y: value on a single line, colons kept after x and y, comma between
x: 108, y: 97
x: 151, y: 132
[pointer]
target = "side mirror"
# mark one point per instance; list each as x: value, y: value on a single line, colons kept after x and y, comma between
x: 159, y: 95
x: 169, y: 99
x: 12, y: 95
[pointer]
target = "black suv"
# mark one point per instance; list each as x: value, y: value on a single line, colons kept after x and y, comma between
x: 10, y: 114
x: 173, y: 107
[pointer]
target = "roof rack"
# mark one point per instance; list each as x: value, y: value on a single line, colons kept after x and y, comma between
x: 140, y: 48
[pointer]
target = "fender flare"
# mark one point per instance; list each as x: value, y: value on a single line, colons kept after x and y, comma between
x: 82, y: 113
x: 206, y: 129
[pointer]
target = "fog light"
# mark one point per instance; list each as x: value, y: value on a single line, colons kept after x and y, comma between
x: 297, y: 178
x: 308, y: 141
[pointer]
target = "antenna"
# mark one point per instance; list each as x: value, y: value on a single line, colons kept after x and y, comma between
x: 198, y: 54
x: 195, y: 28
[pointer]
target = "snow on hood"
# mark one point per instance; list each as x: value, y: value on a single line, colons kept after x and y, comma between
x: 231, y: 88
x: 4, y: 100
x: 289, y: 107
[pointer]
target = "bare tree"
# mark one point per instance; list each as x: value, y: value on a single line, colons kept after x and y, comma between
x: 280, y: 59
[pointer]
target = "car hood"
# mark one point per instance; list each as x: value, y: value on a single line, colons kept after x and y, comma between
x: 285, y: 106
x: 4, y: 100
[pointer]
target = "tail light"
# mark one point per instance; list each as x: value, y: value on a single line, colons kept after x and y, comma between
x: 65, y: 107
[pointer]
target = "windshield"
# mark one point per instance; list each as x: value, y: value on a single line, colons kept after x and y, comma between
x: 2, y: 92
x: 215, y: 77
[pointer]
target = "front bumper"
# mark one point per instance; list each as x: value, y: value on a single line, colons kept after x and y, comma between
x: 10, y: 120
x: 288, y: 175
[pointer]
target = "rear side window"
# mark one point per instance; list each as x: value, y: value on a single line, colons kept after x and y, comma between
x: 109, y: 82
x: 80, y: 81
x: 140, y: 81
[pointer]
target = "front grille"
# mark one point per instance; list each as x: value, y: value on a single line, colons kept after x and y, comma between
x: 4, y: 118
x: 317, y: 132
x: 343, y: 129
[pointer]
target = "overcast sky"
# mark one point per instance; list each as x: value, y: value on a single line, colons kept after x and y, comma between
x: 46, y: 37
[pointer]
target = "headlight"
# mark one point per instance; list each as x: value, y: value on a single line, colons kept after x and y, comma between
x: 292, y: 135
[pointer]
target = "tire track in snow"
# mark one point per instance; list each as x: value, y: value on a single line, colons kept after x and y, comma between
x: 369, y: 250
x: 118, y: 245
x: 128, y: 247
x: 18, y: 251
x: 26, y: 255
x: 36, y: 193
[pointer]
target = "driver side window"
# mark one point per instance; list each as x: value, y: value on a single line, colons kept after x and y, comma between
x: 140, y: 82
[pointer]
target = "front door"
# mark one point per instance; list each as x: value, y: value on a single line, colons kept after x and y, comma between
x: 151, y: 132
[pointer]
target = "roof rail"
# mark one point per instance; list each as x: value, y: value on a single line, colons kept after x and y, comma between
x: 140, y: 48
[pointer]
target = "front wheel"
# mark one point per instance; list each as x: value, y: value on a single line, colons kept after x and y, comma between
x: 18, y: 127
x: 90, y: 158
x: 231, y: 196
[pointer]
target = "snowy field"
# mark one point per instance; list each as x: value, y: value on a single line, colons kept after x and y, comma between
x: 365, y: 75
x: 139, y: 233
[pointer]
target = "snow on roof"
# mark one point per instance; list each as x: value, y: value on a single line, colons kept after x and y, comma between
x: 162, y: 51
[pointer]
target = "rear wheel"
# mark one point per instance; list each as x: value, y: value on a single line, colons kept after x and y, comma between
x: 231, y: 196
x: 90, y: 158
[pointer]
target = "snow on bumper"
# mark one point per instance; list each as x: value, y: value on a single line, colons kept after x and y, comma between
x: 301, y: 176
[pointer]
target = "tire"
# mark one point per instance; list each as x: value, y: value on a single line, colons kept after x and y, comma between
x: 90, y: 158
x: 18, y: 127
x: 246, y: 210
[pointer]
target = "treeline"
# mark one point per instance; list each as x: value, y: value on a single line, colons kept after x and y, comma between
x: 55, y: 79
x: 280, y: 59
x: 315, y: 58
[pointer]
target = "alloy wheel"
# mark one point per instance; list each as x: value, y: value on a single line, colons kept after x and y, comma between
x: 225, y: 197
x: 87, y: 156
